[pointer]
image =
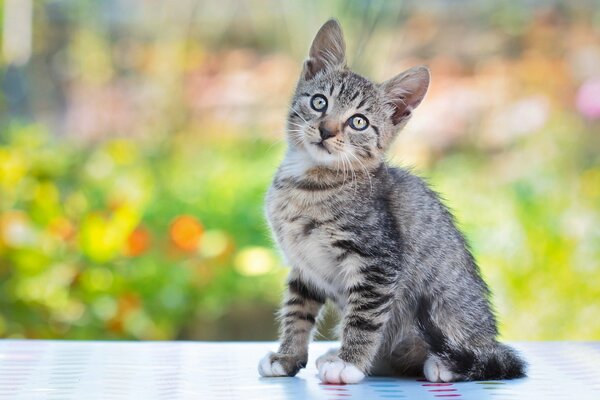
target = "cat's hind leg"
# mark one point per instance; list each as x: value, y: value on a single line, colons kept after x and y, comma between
x: 408, y: 357
x: 463, y: 349
x: 435, y: 370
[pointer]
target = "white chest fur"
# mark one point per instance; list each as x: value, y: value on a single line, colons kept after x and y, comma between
x: 306, y: 232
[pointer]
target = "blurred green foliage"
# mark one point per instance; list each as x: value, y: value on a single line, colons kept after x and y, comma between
x: 137, y: 142
x: 120, y: 240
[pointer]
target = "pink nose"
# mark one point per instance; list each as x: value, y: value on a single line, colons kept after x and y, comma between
x: 328, y: 129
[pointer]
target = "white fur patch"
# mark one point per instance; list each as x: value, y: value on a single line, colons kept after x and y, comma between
x: 435, y: 371
x: 331, y: 355
x: 334, y: 370
x: 267, y: 368
x: 295, y: 164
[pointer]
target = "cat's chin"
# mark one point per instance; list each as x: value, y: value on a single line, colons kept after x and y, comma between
x: 321, y: 154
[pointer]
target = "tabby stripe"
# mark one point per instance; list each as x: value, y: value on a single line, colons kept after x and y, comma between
x: 300, y: 289
x: 363, y: 324
x: 373, y: 304
x: 378, y: 271
x: 277, y: 184
x: 310, y: 226
x: 379, y: 268
x: 342, y: 89
x: 354, y: 96
x: 361, y: 288
x: 294, y: 315
x: 367, y: 292
x: 315, y: 187
x: 379, y: 279
x: 295, y: 302
x: 349, y: 245
x: 362, y: 103
x: 331, y: 90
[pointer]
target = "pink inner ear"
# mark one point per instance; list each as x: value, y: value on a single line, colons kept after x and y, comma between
x: 406, y: 91
x: 402, y: 112
x: 309, y: 68
x: 312, y: 67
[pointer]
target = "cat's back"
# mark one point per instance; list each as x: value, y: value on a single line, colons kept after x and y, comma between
x: 422, y: 217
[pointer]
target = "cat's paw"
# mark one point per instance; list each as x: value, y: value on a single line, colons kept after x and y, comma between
x: 277, y: 364
x: 332, y: 369
x: 435, y: 371
x: 331, y: 355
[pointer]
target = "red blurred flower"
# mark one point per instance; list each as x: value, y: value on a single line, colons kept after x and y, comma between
x: 138, y: 242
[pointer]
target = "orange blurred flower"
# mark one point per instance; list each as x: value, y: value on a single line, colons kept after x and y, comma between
x: 61, y: 228
x: 186, y: 232
x: 138, y: 242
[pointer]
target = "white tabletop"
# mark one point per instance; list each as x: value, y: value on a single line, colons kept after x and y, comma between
x: 61, y: 370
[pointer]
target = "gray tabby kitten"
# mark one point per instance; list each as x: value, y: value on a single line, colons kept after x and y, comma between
x: 373, y: 239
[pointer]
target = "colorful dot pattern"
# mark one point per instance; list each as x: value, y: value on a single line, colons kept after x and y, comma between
x: 63, y: 370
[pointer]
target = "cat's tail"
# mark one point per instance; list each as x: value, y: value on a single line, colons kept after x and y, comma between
x: 497, y: 361
x: 469, y: 360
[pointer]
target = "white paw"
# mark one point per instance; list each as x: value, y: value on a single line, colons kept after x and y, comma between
x: 337, y: 371
x: 267, y: 367
x: 331, y: 355
x: 435, y: 371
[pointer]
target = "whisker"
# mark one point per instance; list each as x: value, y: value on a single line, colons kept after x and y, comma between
x: 354, y: 181
x: 298, y: 114
x: 363, y: 166
x: 297, y: 124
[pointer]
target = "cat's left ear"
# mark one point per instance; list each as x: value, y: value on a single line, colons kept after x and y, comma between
x: 405, y: 92
x: 327, y: 52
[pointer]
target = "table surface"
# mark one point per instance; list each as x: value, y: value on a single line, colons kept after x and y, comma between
x: 31, y: 369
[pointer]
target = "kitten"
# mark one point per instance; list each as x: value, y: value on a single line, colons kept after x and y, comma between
x: 373, y: 239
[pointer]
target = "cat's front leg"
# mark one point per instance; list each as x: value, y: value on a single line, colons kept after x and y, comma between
x: 298, y: 314
x: 365, y: 316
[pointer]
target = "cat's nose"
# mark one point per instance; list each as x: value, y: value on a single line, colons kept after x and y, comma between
x: 326, y: 132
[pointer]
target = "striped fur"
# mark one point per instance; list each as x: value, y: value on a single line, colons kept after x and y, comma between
x: 373, y: 239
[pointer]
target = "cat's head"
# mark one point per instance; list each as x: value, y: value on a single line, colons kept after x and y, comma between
x: 339, y: 117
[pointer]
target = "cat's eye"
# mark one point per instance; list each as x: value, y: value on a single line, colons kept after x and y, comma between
x: 358, y: 122
x: 318, y: 103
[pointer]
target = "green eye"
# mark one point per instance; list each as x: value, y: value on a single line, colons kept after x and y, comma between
x: 318, y: 103
x: 358, y: 122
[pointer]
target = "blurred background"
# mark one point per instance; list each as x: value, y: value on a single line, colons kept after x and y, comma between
x: 138, y: 138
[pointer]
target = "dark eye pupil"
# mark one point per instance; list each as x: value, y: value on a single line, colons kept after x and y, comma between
x: 359, y: 123
x: 318, y: 103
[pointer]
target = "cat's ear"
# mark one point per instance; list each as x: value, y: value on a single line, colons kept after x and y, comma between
x: 405, y: 92
x: 327, y: 52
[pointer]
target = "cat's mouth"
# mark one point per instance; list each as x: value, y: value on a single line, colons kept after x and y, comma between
x: 321, y: 145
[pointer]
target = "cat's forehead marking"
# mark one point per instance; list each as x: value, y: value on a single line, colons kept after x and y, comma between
x: 347, y: 88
